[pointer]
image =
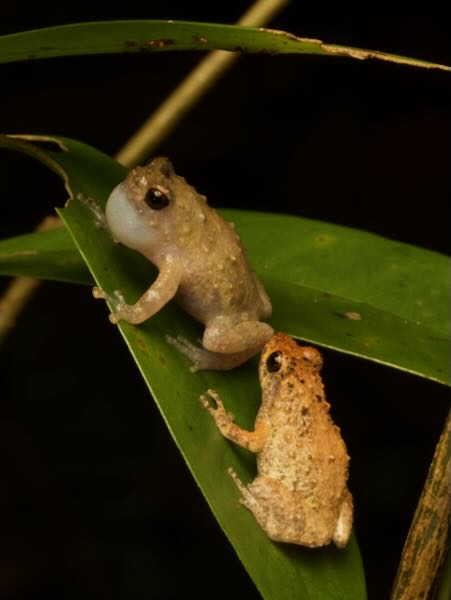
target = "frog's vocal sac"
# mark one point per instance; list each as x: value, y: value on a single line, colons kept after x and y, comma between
x: 201, y: 263
x: 300, y: 494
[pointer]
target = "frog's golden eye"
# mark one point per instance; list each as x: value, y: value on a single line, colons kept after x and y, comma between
x: 274, y: 362
x: 156, y: 199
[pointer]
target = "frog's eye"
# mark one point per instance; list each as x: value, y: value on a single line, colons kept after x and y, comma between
x: 274, y: 362
x: 156, y: 198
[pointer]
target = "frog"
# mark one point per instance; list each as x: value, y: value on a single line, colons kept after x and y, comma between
x: 300, y: 494
x: 201, y: 263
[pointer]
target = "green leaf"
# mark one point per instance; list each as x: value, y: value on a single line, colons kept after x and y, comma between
x: 280, y: 571
x: 45, y: 255
x: 156, y: 36
x: 354, y: 291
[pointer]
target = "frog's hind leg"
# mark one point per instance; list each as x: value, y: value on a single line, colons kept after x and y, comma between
x: 205, y: 359
x: 275, y: 508
x: 236, y: 333
x: 228, y: 342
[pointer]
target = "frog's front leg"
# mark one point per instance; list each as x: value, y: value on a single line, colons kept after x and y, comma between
x: 251, y: 440
x: 160, y: 292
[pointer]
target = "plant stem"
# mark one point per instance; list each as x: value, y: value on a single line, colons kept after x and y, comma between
x: 428, y: 538
x: 190, y: 90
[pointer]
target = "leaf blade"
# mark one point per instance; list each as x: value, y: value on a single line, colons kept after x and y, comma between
x: 44, y: 255
x: 354, y: 291
x: 104, y: 37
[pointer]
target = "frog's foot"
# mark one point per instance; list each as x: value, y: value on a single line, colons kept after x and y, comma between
x: 95, y: 209
x: 116, y: 300
x: 205, y: 359
x: 223, y: 419
x: 217, y: 412
x: 279, y: 512
x: 248, y: 498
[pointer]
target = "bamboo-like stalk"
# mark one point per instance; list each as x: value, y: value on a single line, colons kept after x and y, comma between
x: 190, y: 90
x: 429, y: 535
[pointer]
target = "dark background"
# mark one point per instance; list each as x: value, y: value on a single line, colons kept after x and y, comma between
x: 96, y: 500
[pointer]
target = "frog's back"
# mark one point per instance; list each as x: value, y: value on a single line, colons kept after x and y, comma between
x: 304, y: 448
x: 217, y: 277
x: 313, y: 461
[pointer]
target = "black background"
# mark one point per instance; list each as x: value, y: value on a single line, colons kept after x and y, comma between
x: 97, y: 500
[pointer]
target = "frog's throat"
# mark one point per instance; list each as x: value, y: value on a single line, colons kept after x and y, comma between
x: 127, y: 225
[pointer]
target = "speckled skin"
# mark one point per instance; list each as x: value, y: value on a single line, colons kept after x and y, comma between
x: 201, y: 263
x: 300, y: 494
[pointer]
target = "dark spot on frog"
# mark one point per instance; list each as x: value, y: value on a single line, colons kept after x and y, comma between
x: 318, y: 397
x: 299, y: 343
x: 304, y: 411
x: 302, y: 380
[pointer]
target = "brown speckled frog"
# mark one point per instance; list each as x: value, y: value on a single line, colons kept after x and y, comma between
x: 300, y: 494
x: 201, y: 263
